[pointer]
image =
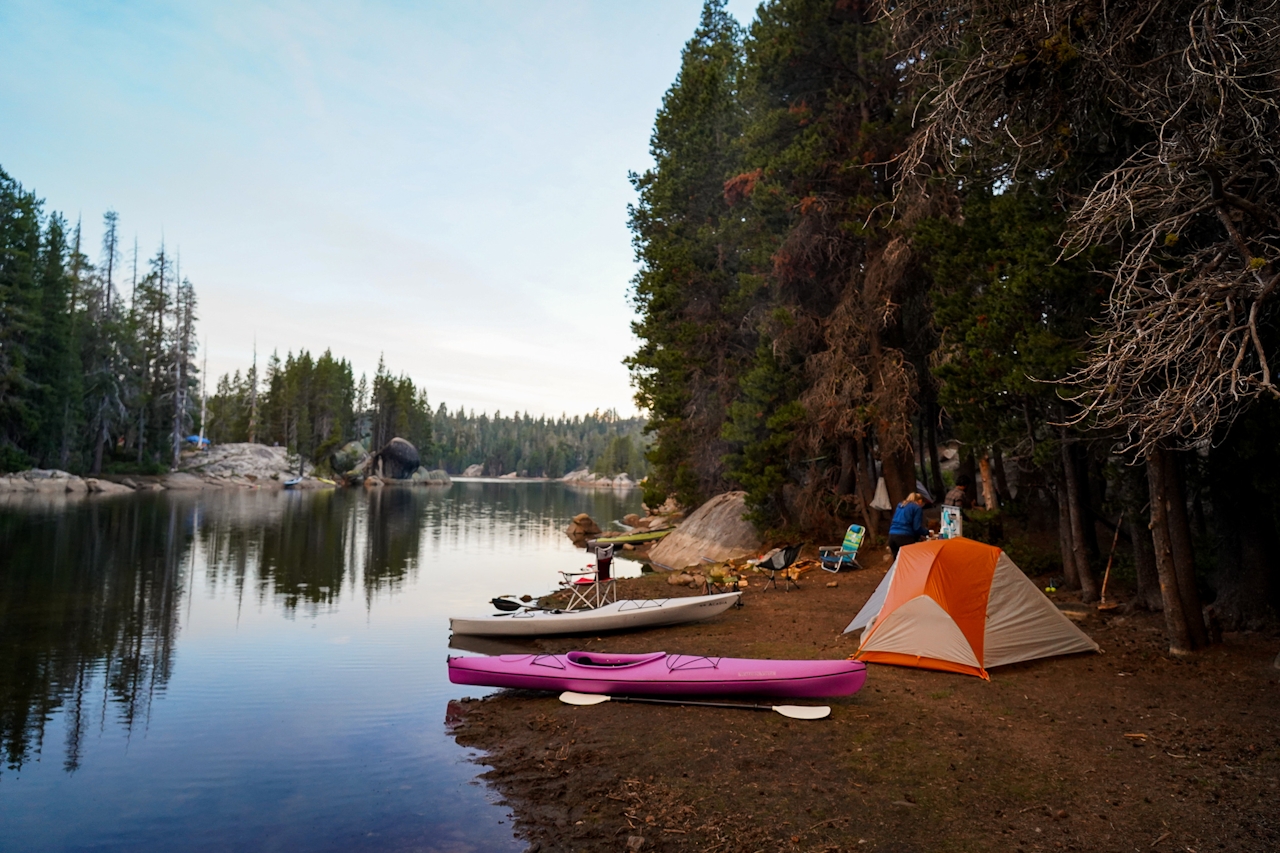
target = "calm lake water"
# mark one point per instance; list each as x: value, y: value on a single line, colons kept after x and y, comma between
x: 253, y: 670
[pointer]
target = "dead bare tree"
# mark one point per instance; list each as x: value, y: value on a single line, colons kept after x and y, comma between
x: 1162, y: 121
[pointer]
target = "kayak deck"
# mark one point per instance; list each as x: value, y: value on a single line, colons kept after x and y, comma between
x: 626, y: 614
x: 661, y: 674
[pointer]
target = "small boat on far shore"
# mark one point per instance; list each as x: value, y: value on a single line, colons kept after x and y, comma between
x: 661, y: 674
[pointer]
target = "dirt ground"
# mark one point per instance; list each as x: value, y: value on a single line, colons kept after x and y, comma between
x: 1125, y: 750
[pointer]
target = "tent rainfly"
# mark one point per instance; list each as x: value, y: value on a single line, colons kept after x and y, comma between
x: 961, y: 606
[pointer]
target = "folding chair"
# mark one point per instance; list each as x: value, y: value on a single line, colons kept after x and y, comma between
x: 778, y: 562
x: 594, y: 585
x: 835, y: 557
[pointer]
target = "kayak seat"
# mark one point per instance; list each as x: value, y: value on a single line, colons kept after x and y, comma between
x: 599, y: 661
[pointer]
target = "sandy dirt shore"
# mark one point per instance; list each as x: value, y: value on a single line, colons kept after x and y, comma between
x: 1125, y: 750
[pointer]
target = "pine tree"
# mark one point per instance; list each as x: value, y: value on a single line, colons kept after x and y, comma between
x: 685, y: 368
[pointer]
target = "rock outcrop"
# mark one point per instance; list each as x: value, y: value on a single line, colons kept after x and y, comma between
x: 584, y: 477
x: 397, y: 461
x: 582, y: 528
x: 434, y: 477
x: 51, y: 481
x: 716, y: 530
x: 474, y: 471
x: 348, y: 457
x: 242, y: 463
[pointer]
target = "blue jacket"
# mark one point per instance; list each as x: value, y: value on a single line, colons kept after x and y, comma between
x: 908, y: 520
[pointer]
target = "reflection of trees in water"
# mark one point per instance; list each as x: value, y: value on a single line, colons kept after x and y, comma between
x: 89, y: 598
x: 301, y: 547
x: 90, y: 590
x: 392, y: 537
x: 485, y: 515
x: 286, y: 544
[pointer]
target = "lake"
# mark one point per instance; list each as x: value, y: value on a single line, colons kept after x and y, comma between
x: 258, y: 670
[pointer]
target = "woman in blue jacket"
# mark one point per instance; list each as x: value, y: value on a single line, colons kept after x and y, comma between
x: 907, y: 526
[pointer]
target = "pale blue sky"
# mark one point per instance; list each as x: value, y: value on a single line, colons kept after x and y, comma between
x: 444, y: 182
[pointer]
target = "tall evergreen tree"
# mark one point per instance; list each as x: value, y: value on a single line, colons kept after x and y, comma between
x: 688, y: 361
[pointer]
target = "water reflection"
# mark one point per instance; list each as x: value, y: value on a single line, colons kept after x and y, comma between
x: 89, y: 595
x: 95, y: 593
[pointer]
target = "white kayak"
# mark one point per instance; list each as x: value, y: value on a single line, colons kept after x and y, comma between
x: 623, y: 615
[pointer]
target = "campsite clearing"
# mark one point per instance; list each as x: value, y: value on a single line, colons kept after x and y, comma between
x: 1042, y: 757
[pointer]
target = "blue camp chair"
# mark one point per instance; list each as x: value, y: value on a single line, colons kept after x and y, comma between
x: 834, y: 557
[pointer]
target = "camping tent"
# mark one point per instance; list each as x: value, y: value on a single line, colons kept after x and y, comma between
x: 961, y: 606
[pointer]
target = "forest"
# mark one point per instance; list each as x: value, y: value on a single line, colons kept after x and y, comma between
x: 90, y: 380
x: 1047, y: 232
x: 97, y: 380
x: 314, y: 406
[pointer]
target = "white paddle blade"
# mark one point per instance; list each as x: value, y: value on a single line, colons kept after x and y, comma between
x: 803, y: 712
x: 570, y: 698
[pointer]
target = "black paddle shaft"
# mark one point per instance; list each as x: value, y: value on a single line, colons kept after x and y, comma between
x: 734, y: 705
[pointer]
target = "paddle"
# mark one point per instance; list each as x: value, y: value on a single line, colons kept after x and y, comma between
x: 795, y: 712
x: 509, y: 606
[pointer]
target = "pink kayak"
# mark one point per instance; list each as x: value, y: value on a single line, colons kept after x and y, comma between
x: 661, y: 674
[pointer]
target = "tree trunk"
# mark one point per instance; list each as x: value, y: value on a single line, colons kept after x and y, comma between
x: 1133, y: 493
x: 1088, y: 584
x: 1001, y: 479
x: 97, y: 453
x: 1184, y: 562
x: 899, y: 472
x: 1175, y: 619
x: 990, y: 497
x: 1070, y: 576
x: 935, y: 482
x: 848, y: 468
x: 968, y: 467
x: 866, y: 486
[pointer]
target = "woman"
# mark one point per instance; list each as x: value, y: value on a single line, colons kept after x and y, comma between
x: 907, y: 526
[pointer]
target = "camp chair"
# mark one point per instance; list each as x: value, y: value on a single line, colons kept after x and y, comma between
x: 592, y: 586
x: 836, y: 557
x: 780, y: 560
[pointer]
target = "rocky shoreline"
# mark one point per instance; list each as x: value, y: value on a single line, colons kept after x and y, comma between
x: 55, y: 482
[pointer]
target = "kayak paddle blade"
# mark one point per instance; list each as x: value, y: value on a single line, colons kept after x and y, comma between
x: 570, y: 698
x: 803, y: 712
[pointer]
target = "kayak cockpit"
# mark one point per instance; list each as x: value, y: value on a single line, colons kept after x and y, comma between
x: 601, y: 661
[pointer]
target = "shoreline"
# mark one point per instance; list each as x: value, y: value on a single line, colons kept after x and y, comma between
x: 1044, y: 756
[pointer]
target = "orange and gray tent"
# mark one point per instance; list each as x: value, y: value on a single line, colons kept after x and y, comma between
x: 961, y: 606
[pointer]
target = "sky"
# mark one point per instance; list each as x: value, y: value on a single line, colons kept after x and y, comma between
x: 440, y: 184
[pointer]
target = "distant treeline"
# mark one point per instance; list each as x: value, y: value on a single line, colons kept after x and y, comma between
x: 601, y: 441
x: 91, y: 378
x: 315, y: 405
